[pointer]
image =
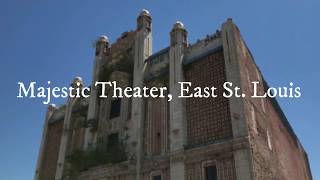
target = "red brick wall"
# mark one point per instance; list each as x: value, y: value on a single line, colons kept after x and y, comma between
x: 208, y: 119
x: 285, y: 160
x: 51, y: 151
x: 288, y: 151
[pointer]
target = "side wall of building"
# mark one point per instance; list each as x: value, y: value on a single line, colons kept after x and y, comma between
x: 276, y: 151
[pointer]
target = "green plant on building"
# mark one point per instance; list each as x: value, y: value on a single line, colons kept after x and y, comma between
x: 103, y: 153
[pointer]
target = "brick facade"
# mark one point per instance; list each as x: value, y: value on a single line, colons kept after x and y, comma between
x: 276, y: 150
x: 208, y: 119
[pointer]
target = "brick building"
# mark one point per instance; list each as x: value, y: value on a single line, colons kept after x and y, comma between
x: 184, y: 139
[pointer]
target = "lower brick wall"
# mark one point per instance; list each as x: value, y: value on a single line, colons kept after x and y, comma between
x: 106, y: 172
x: 287, y: 150
x: 225, y: 169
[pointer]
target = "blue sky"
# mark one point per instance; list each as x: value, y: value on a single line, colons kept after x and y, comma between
x: 52, y: 40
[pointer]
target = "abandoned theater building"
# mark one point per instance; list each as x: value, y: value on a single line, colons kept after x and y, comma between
x: 184, y: 139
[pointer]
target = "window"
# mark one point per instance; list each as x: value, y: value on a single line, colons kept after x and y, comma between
x: 115, y: 108
x: 158, y: 177
x: 211, y: 173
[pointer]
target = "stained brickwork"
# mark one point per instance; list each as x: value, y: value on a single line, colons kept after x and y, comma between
x: 276, y: 151
x: 51, y: 151
x: 291, y: 161
x: 208, y: 119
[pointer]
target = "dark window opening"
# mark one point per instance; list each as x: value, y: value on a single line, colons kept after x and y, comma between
x: 158, y: 177
x: 211, y: 173
x: 115, y: 108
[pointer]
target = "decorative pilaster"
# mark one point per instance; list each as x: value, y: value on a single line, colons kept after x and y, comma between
x: 143, y: 48
x: 177, y: 125
x: 50, y: 111
x: 66, y: 131
x: 102, y: 46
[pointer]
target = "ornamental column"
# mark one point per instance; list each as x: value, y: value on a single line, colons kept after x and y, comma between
x: 102, y: 46
x: 177, y: 133
x: 142, y: 50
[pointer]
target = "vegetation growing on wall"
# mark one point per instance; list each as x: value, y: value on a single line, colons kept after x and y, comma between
x: 121, y: 61
x: 80, y: 160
